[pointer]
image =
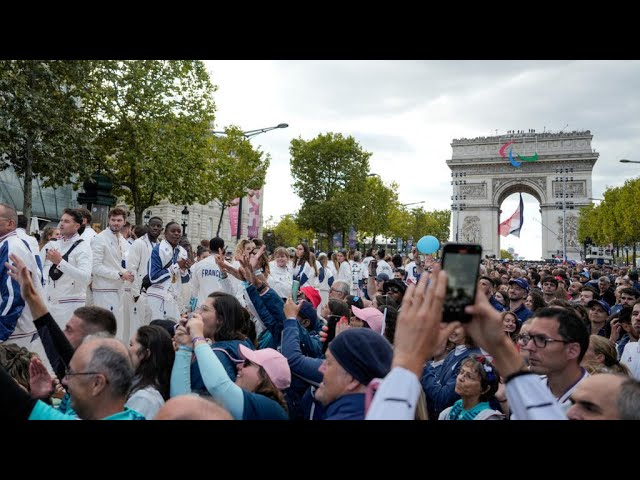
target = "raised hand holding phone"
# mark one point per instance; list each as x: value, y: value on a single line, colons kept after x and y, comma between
x: 462, y: 263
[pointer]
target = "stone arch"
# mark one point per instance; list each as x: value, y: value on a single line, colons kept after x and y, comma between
x: 483, y: 175
x: 516, y: 185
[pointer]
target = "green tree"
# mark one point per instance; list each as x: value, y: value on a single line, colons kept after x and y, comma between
x: 236, y: 168
x: 330, y: 173
x: 629, y: 213
x: 379, y: 203
x: 288, y: 233
x: 505, y: 254
x: 45, y: 132
x: 155, y: 119
x: 418, y: 222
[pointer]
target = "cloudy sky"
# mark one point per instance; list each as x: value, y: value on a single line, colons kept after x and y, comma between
x: 407, y: 112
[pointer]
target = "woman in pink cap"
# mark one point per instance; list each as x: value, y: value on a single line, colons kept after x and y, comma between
x: 257, y: 391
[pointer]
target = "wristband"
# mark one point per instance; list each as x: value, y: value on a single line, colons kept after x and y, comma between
x: 185, y: 348
x: 195, y: 339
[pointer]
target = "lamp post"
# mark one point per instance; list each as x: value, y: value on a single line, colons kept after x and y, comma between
x: 564, y: 205
x: 412, y: 203
x: 624, y: 160
x: 457, y: 198
x: 249, y: 134
x: 147, y: 216
x: 185, y: 219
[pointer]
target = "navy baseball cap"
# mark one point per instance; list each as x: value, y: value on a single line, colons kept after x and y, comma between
x: 383, y: 277
x: 605, y: 306
x: 521, y: 282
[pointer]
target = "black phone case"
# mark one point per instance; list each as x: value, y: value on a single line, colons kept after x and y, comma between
x: 453, y: 312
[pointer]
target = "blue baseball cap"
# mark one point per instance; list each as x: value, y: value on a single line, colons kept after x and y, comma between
x: 521, y: 282
x: 605, y: 306
x: 382, y: 277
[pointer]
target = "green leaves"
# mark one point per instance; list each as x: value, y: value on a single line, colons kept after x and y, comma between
x: 330, y: 175
x: 154, y: 137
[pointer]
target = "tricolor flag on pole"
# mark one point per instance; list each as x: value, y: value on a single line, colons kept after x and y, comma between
x: 513, y: 224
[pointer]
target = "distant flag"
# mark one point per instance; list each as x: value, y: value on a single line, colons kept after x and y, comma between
x: 513, y: 224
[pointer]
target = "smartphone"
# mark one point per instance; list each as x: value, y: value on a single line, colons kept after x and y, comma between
x: 332, y: 321
x: 461, y: 261
x: 295, y: 287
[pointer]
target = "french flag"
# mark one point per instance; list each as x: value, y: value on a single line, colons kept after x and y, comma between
x: 513, y: 224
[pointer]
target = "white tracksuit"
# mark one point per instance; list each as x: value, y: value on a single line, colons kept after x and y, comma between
x: 166, y: 283
x: 138, y: 264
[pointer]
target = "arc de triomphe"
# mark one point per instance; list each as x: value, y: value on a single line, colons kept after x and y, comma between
x: 486, y: 170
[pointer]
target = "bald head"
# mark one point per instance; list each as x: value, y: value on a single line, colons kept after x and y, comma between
x: 191, y: 407
x: 596, y: 398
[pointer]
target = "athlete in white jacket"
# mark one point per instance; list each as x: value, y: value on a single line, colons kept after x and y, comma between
x: 168, y: 270
x: 138, y: 264
x: 68, y: 292
x: 109, y: 273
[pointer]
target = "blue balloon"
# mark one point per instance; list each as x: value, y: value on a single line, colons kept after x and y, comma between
x: 428, y: 244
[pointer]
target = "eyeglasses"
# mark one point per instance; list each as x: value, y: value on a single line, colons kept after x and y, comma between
x: 540, y: 341
x: 69, y: 373
x: 334, y: 290
x: 394, y: 290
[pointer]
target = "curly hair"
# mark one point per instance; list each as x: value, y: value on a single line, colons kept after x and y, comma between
x: 15, y: 361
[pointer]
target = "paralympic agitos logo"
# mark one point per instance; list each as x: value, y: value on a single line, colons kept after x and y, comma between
x: 521, y: 159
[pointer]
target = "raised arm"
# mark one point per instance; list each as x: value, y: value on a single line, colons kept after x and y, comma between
x: 419, y: 332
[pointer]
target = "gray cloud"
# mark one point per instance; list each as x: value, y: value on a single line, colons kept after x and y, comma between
x: 407, y: 113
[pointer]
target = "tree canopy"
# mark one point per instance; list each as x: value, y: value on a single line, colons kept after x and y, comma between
x: 330, y: 173
x: 154, y: 137
x: 45, y: 131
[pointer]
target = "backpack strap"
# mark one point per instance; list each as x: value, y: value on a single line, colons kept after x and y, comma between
x: 65, y: 257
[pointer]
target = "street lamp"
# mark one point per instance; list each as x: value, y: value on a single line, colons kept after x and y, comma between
x: 564, y: 205
x: 412, y: 203
x: 185, y: 219
x: 457, y: 197
x: 624, y: 160
x: 249, y: 134
x: 147, y: 216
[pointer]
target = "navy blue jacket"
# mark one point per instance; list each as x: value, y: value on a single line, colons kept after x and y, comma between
x: 347, y: 407
x: 304, y: 370
x: 231, y: 347
x: 439, y: 386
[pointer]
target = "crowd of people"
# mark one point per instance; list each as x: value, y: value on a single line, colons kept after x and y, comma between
x: 136, y: 323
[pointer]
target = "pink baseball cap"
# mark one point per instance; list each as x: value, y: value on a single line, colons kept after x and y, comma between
x: 273, y: 362
x: 373, y: 317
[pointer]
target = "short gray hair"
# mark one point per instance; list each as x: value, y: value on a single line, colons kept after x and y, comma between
x: 115, y: 366
x: 628, y: 400
x: 342, y: 287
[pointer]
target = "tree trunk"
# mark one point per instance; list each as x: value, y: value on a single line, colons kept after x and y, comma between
x: 28, y: 181
x: 139, y: 214
x: 330, y: 241
x: 220, y: 221
x: 373, y: 240
x: 634, y: 254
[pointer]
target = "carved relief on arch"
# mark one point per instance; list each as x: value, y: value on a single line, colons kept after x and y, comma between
x: 472, y: 230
